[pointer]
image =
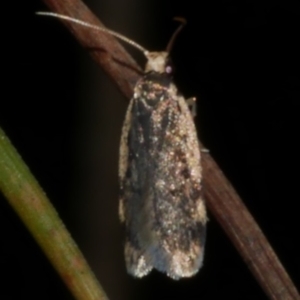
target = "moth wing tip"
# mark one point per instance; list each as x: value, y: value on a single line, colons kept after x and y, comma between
x: 137, y: 263
x: 185, y: 264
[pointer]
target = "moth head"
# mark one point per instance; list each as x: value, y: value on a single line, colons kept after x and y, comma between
x: 158, y: 62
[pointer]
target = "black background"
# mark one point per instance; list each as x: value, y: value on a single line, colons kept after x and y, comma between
x: 241, y: 61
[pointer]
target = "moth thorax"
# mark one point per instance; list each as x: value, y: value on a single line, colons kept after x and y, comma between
x: 157, y: 62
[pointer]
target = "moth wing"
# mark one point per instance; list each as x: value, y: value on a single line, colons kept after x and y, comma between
x: 137, y: 263
x: 179, y: 205
x: 161, y: 200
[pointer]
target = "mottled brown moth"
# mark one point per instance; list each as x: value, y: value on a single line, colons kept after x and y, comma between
x: 160, y: 174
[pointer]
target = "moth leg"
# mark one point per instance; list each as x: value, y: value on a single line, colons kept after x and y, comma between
x: 204, y: 150
x: 192, y: 105
x: 191, y: 102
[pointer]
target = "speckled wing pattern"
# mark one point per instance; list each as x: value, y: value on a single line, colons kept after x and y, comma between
x: 161, y: 200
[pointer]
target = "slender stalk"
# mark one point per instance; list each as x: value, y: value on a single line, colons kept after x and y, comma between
x: 37, y: 213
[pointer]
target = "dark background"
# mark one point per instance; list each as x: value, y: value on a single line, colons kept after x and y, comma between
x: 239, y: 58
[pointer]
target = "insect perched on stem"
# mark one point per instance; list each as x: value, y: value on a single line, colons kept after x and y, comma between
x: 160, y: 173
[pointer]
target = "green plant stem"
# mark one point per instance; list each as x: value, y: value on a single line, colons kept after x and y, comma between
x: 35, y: 210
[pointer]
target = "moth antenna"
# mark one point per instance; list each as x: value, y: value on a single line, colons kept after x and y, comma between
x: 175, y: 34
x: 105, y: 30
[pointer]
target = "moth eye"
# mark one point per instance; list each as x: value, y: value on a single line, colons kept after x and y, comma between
x: 169, y: 69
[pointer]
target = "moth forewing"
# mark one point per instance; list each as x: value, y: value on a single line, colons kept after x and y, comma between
x: 161, y: 199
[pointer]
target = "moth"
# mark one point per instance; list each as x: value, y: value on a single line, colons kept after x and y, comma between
x: 160, y: 173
